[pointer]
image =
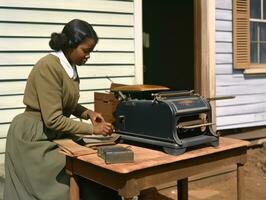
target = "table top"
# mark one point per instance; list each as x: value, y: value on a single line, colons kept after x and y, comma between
x: 146, y: 158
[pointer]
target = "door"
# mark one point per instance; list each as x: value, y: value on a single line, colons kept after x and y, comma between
x: 168, y: 43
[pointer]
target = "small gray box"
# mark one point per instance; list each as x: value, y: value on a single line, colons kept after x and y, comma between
x: 116, y: 154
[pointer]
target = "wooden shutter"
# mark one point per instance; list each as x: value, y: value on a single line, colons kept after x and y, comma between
x: 241, y: 34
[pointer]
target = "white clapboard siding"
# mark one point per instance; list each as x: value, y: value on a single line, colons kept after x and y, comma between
x: 2, y: 158
x: 222, y: 14
x: 17, y: 87
x: 248, y: 108
x: 224, y: 68
x: 239, y: 79
x: 45, y: 30
x: 103, y: 71
x: 223, y: 47
x: 2, y: 145
x: 7, y: 115
x: 224, y: 36
x: 22, y: 72
x: 93, y: 84
x: 44, y: 16
x: 224, y: 4
x: 237, y: 121
x: 14, y: 72
x: 242, y: 125
x: 240, y: 90
x: 42, y: 44
x: 12, y: 87
x: 242, y: 100
x: 3, y: 130
x: 222, y: 25
x: 25, y: 30
x: 4, y: 127
x: 16, y: 101
x: 86, y: 93
x: 13, y: 101
x: 30, y: 58
x: 241, y: 109
x: 224, y: 58
x: 84, y: 5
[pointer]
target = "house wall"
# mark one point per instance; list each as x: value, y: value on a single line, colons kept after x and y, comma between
x: 248, y: 108
x: 25, y: 28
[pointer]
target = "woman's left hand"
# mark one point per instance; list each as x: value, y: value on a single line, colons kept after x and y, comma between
x: 95, y: 117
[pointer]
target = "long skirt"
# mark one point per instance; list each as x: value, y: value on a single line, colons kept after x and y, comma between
x: 34, y: 170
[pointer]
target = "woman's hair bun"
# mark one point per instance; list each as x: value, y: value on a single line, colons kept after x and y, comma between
x: 58, y: 41
x: 73, y: 34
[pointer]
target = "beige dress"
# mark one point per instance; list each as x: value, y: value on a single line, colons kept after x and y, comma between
x: 34, y: 168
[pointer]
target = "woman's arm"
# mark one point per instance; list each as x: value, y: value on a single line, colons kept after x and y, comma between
x: 48, y: 83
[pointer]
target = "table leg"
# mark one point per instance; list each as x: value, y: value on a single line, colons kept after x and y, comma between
x: 74, y: 188
x: 182, y: 188
x: 240, y: 182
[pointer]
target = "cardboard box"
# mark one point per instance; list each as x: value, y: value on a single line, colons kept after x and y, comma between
x: 105, y: 103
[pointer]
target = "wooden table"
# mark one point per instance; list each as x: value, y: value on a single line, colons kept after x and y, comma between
x: 153, y: 168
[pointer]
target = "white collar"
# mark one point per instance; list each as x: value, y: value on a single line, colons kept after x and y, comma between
x: 70, y: 70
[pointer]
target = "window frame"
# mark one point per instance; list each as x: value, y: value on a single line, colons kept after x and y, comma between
x: 242, y: 40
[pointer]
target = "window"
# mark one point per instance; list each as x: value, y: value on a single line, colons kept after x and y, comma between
x: 258, y: 31
x: 249, y: 33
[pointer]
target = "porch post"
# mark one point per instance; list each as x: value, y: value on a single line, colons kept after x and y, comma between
x: 205, y: 62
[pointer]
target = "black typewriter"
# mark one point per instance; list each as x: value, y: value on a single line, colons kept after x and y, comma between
x: 173, y: 120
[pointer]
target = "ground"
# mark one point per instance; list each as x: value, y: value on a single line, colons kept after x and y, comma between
x: 223, y: 187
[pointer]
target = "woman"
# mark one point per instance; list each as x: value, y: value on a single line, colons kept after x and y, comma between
x: 34, y: 168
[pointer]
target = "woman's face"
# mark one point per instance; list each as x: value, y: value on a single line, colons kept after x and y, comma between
x: 80, y: 54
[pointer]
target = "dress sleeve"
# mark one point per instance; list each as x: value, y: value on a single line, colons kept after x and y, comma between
x: 48, y: 83
x: 81, y: 112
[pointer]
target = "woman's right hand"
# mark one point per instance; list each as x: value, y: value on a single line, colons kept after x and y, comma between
x: 102, y: 128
